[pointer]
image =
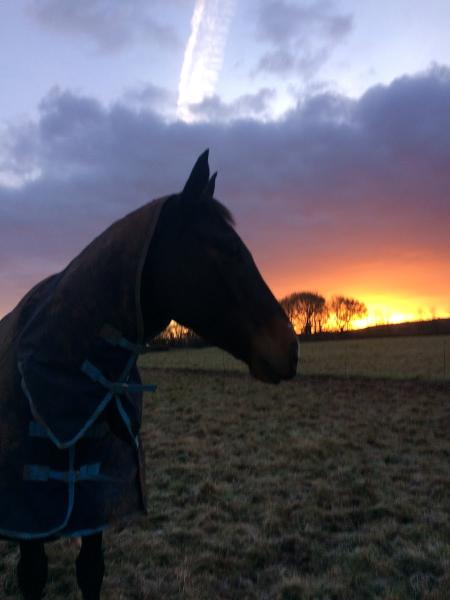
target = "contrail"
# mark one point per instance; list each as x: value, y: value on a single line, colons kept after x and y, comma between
x: 203, y: 55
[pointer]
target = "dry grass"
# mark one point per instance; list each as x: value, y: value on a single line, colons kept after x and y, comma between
x: 425, y: 357
x: 320, y: 488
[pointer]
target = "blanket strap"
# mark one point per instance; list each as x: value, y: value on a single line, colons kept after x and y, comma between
x: 44, y: 473
x: 116, y: 387
x: 115, y: 338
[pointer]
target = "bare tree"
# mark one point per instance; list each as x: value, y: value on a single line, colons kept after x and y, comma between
x: 321, y: 317
x: 306, y: 311
x: 346, y: 310
x: 289, y: 305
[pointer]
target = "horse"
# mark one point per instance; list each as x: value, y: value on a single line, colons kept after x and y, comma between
x: 68, y: 378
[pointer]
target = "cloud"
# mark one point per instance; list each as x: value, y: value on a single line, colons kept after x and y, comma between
x: 337, y: 188
x: 301, y: 37
x: 203, y: 55
x: 109, y: 25
x: 17, y: 154
x: 247, y: 106
x: 151, y: 97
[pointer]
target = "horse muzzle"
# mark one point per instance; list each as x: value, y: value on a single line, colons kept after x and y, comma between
x: 274, y: 353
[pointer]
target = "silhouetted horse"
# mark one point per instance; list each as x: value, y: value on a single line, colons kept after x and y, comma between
x: 70, y: 393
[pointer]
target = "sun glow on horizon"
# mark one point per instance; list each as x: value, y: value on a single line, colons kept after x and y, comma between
x: 388, y: 318
x: 391, y: 314
x: 392, y: 310
x: 396, y: 293
x: 382, y: 309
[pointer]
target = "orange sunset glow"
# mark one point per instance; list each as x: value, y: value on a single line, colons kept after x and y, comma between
x: 394, y: 293
x: 333, y: 160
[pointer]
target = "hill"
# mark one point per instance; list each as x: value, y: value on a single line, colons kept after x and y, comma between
x: 433, y: 327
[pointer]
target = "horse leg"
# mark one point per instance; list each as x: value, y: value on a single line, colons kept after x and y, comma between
x: 90, y: 567
x: 32, y: 569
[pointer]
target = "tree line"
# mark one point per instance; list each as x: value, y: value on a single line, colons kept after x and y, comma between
x: 310, y: 313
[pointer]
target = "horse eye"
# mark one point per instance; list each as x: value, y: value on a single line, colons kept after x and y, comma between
x: 221, y: 246
x: 229, y: 250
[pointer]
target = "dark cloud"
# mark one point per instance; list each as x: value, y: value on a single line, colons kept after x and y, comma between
x: 247, y: 106
x: 337, y: 182
x: 300, y: 36
x: 110, y: 25
x: 151, y: 97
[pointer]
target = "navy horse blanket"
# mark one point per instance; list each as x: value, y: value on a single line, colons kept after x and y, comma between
x: 71, y: 458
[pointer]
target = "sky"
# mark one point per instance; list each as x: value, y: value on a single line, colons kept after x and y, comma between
x: 328, y: 122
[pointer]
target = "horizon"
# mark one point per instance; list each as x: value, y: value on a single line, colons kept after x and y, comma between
x: 327, y: 122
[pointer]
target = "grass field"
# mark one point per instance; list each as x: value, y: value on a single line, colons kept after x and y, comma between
x: 425, y: 357
x: 325, y: 487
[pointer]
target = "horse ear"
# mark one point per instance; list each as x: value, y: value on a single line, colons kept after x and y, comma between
x: 208, y: 192
x: 198, y: 179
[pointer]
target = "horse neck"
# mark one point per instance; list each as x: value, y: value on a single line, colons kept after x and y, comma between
x: 154, y: 314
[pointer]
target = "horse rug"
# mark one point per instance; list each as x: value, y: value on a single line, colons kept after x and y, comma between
x: 71, y: 458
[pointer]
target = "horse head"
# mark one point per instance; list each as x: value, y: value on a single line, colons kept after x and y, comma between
x: 200, y: 273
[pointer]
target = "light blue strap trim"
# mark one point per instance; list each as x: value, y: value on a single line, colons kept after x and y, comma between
x: 138, y: 387
x: 85, y: 532
x: 88, y: 471
x: 37, y: 430
x: 26, y: 535
x: 126, y: 345
x: 116, y: 387
x: 115, y: 338
x: 44, y: 473
x: 126, y: 420
x: 97, y: 412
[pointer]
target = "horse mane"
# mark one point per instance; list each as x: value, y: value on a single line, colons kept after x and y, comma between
x: 214, y: 207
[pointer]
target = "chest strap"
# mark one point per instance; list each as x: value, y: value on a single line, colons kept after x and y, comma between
x: 44, y: 473
x: 116, y: 387
x: 115, y: 338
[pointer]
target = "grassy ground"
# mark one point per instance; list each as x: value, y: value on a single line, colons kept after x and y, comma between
x: 320, y: 488
x: 426, y: 357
